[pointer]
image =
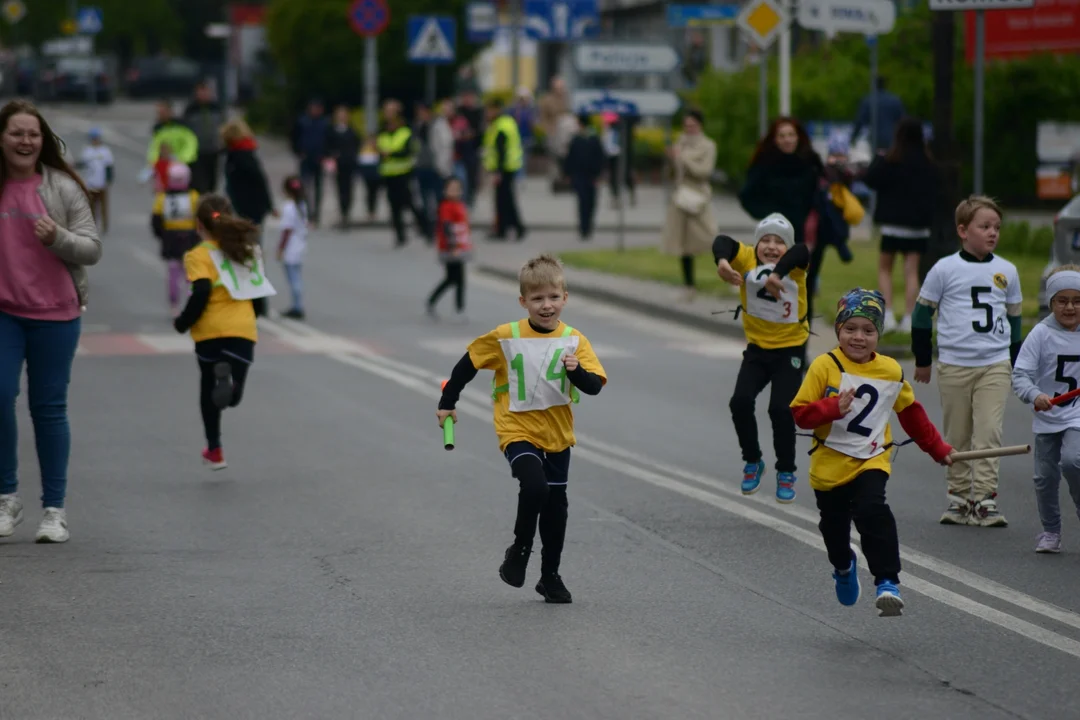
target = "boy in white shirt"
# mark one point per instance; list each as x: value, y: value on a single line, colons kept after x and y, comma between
x: 1049, y: 366
x: 96, y: 163
x: 977, y: 297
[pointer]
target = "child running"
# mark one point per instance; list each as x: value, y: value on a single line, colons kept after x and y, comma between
x: 226, y: 273
x: 96, y: 162
x: 293, y: 246
x: 1049, y: 366
x: 846, y: 399
x: 977, y: 297
x: 173, y: 222
x: 771, y: 276
x: 540, y: 363
x: 454, y: 245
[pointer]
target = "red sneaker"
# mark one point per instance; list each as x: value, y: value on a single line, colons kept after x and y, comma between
x: 214, y: 458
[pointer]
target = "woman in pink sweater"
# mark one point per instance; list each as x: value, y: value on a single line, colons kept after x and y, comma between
x: 47, y: 237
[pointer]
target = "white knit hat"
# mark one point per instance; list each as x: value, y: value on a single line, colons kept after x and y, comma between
x: 778, y: 225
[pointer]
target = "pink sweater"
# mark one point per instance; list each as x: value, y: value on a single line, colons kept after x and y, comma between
x: 34, y: 283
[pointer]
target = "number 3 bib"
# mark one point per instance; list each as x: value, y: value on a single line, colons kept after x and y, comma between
x: 762, y: 305
x: 861, y: 433
x: 535, y: 372
x: 242, y: 282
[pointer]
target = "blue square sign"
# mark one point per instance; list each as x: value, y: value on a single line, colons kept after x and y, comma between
x: 89, y: 20
x: 431, y: 39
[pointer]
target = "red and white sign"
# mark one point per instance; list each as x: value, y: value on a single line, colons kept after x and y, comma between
x: 1051, y: 26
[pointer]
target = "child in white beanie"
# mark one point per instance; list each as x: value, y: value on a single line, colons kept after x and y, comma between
x: 771, y: 274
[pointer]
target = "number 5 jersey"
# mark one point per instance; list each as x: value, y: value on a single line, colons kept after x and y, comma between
x: 532, y: 393
x: 860, y: 440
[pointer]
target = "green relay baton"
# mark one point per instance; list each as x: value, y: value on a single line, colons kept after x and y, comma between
x: 447, y: 427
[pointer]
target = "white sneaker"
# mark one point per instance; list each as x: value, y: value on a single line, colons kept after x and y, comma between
x: 53, y: 528
x: 11, y: 514
x: 905, y: 325
x: 890, y: 322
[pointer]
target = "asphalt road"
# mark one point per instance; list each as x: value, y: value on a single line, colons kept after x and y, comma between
x: 345, y: 565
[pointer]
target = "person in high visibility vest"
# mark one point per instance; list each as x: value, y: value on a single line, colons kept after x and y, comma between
x: 503, y: 157
x: 398, y: 157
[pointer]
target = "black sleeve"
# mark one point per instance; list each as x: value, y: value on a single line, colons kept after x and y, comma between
x: 157, y: 224
x: 585, y: 381
x: 922, y: 346
x: 724, y: 247
x: 1014, y: 351
x: 796, y: 257
x: 196, y: 304
x: 462, y: 375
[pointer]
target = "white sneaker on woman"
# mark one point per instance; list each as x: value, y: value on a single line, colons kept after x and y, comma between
x: 53, y: 528
x: 11, y: 514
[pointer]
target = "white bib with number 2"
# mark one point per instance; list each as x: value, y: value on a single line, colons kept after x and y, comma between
x: 861, y: 433
x: 243, y: 282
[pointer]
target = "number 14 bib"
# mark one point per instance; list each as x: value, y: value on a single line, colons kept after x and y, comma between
x: 535, y: 372
x: 242, y: 282
x: 861, y: 433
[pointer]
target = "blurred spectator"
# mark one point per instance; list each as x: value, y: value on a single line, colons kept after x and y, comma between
x: 205, y: 116
x: 309, y: 143
x: 343, y: 146
x: 890, y: 110
x: 584, y: 166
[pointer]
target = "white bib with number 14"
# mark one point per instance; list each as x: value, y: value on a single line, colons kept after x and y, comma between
x: 243, y: 282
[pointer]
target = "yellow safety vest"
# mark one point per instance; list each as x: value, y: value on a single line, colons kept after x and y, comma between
x: 514, y: 156
x: 395, y: 142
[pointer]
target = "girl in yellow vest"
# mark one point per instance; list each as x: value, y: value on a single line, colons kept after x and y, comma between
x: 227, y: 275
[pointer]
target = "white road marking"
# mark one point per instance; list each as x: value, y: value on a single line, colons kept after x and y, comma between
x: 616, y: 458
x: 164, y: 343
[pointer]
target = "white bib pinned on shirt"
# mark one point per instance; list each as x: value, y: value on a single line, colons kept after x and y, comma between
x: 535, y: 372
x: 241, y: 281
x: 762, y: 305
x: 861, y: 433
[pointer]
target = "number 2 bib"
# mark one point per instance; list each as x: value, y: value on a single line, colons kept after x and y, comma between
x: 535, y: 372
x: 861, y: 433
x: 242, y: 282
x: 762, y: 305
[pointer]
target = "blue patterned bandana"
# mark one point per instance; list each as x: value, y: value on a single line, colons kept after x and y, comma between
x: 869, y: 304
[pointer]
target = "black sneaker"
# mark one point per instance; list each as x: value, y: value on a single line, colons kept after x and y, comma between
x: 516, y: 561
x: 222, y: 393
x: 553, y: 589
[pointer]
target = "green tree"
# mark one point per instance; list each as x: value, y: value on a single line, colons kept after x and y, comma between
x: 131, y: 26
x: 319, y: 54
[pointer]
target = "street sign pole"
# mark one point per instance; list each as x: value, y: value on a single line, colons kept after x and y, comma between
x: 626, y: 144
x: 785, y: 63
x: 429, y: 89
x: 515, y: 45
x: 763, y: 92
x: 873, y: 95
x: 371, y: 85
x: 980, y: 82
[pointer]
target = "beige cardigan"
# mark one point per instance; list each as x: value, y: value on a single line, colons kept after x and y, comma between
x: 77, y: 242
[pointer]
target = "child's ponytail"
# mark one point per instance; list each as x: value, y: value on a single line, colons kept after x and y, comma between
x: 236, y: 236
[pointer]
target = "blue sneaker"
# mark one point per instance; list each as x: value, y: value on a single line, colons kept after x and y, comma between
x: 751, y: 477
x: 785, y: 487
x: 888, y: 601
x: 847, y: 585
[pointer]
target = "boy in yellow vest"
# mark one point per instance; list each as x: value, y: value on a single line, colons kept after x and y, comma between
x: 540, y: 363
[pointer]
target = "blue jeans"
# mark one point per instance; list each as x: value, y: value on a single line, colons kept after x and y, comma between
x: 296, y: 285
x: 48, y: 347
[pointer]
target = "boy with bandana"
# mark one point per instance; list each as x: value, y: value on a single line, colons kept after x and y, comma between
x: 845, y: 399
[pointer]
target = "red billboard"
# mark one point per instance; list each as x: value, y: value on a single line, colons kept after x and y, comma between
x: 1051, y: 26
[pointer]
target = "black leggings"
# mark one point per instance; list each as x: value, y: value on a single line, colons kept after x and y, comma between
x: 237, y: 354
x: 455, y: 277
x: 861, y: 500
x: 688, y: 270
x: 783, y: 368
x: 541, y: 500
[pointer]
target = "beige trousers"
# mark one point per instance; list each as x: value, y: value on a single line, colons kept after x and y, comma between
x: 973, y: 403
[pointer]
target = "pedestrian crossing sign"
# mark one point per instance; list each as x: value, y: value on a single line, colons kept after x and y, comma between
x: 431, y: 39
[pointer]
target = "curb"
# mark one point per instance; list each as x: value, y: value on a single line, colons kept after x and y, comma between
x: 645, y: 308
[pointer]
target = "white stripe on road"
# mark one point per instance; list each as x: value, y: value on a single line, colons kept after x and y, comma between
x: 427, y: 384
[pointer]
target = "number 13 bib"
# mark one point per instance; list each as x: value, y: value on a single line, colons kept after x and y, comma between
x: 861, y: 433
x: 242, y: 282
x: 535, y: 372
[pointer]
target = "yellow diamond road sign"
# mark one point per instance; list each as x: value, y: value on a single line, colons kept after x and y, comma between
x: 14, y: 11
x: 762, y: 21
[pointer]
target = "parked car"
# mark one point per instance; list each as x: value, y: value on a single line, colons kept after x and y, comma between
x: 71, y: 78
x: 1066, y: 247
x: 162, y: 76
